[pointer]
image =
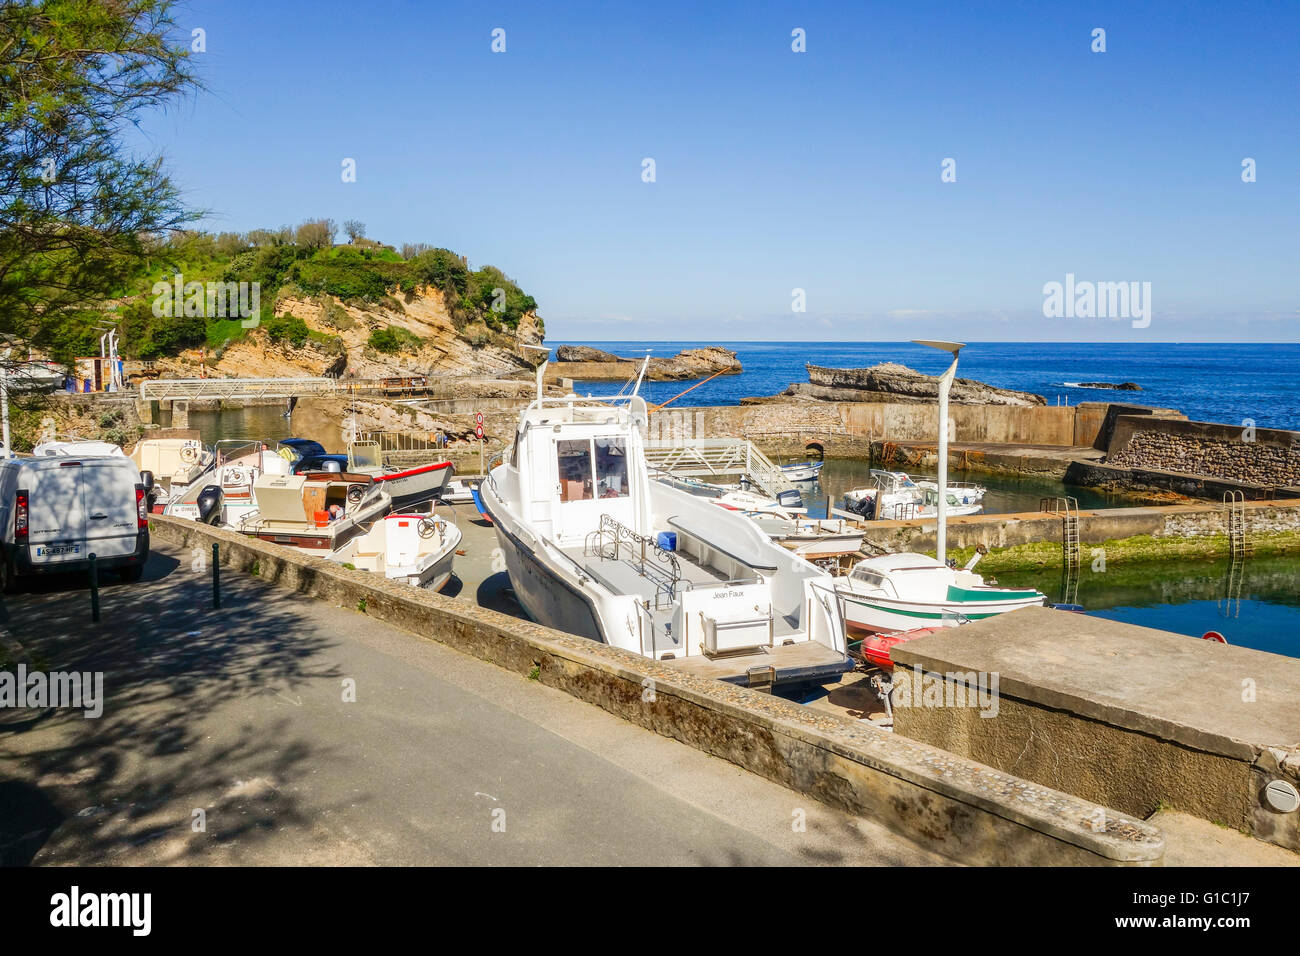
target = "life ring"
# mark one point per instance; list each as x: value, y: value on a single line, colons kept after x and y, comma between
x: 1214, y: 636
x: 189, y: 454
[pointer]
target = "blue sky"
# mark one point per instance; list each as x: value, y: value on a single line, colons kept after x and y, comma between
x: 778, y: 170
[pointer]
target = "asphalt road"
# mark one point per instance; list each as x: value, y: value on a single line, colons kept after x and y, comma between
x: 237, y: 720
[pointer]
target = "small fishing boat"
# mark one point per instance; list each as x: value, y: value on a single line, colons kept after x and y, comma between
x: 897, y: 592
x: 739, y: 496
x: 407, y: 486
x: 892, y: 495
x: 964, y: 492
x: 225, y: 492
x: 416, y: 549
x: 808, y: 537
x: 802, y: 470
x: 316, y: 513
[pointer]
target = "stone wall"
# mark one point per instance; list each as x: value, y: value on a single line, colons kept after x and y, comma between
x: 1268, y: 457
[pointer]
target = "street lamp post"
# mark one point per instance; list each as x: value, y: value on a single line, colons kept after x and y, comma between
x: 945, y: 386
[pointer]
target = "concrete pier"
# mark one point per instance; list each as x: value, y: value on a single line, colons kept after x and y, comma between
x: 1126, y: 716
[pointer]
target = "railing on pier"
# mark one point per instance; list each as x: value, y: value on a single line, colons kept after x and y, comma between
x: 715, y: 458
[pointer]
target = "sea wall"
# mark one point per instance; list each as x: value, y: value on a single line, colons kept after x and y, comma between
x: 1262, y: 456
x: 1095, y: 526
x: 950, y: 804
x: 847, y: 428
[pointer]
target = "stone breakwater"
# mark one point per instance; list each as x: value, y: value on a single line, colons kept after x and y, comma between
x: 583, y: 363
x: 1263, y: 460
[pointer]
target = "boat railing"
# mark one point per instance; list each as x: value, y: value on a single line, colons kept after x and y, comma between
x: 614, y: 541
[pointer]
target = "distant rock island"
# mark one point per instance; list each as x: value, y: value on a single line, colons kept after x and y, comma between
x: 1122, y: 386
x: 891, y: 382
x: 583, y: 363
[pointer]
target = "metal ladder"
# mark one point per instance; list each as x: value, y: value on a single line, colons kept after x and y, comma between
x: 1234, y: 506
x: 1230, y: 603
x: 1068, y: 509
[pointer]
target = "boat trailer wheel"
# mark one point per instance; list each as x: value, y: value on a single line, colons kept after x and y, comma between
x: 355, y: 492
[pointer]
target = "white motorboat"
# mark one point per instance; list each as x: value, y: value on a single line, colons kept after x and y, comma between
x: 175, y: 463
x: 407, y: 486
x: 76, y: 448
x: 227, y: 494
x: 964, y: 492
x: 810, y: 537
x: 892, y: 495
x: 928, y: 507
x: 897, y: 592
x: 416, y: 549
x: 597, y: 548
x: 316, y: 513
x: 739, y: 496
x: 802, y: 470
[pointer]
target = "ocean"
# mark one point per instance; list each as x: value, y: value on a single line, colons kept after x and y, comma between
x: 1208, y: 382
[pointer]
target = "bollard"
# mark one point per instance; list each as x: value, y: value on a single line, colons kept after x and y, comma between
x: 216, y: 577
x: 94, y: 588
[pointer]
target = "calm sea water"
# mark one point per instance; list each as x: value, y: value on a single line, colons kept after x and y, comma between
x: 1208, y: 382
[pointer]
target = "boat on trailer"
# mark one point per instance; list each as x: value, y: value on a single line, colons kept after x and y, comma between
x: 596, y: 547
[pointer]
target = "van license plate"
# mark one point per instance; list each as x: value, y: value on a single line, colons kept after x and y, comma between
x: 58, y: 549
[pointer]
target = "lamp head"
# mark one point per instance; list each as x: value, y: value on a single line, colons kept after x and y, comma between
x: 953, y: 347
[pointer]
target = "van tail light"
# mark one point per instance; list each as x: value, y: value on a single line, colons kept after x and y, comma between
x: 20, y: 516
x: 141, y: 508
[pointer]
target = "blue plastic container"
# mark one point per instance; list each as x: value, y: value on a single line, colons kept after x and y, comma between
x: 667, y: 540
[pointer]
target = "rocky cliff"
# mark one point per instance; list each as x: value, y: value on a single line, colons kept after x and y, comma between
x: 424, y: 341
x: 584, y: 363
x: 891, y: 382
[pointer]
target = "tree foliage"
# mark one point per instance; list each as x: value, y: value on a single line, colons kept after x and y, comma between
x: 80, y: 211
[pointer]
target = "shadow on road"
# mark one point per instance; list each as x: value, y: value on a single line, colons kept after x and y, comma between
x: 133, y: 777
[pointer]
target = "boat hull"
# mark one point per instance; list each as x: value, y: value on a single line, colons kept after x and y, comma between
x: 416, y: 485
x: 875, y: 615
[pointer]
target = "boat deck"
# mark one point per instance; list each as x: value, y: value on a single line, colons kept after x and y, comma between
x: 790, y: 661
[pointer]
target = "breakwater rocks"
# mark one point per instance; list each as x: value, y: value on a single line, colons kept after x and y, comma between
x: 1185, y: 448
x: 891, y: 382
x: 1119, y: 387
x: 594, y: 365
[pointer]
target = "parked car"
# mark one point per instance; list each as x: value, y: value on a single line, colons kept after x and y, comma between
x: 56, y: 511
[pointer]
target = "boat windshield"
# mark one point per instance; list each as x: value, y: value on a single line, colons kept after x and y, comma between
x: 611, y: 468
x: 574, y: 459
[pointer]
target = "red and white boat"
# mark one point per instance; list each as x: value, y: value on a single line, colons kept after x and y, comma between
x: 408, y: 487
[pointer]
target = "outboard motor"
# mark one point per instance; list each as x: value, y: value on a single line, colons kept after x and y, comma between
x: 150, y: 491
x: 210, y: 505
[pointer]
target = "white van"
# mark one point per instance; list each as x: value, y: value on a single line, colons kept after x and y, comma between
x: 55, y: 512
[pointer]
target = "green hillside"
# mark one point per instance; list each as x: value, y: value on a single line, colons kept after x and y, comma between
x: 303, y: 262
